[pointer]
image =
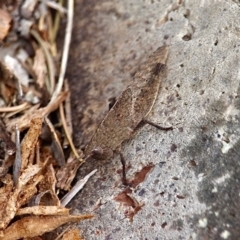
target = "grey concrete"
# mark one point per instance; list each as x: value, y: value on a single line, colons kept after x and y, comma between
x: 193, y: 190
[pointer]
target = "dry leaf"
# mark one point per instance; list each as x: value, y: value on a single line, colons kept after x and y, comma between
x: 29, y: 191
x: 7, y: 84
x: 140, y: 176
x: 7, y: 93
x: 18, y: 196
x: 5, y: 23
x: 27, y: 8
x: 43, y: 210
x: 7, y: 163
x: 28, y: 174
x: 67, y: 173
x: 30, y: 226
x: 73, y: 234
x: 5, y: 191
x: 6, y: 144
x: 129, y: 202
x: 16, y: 67
x: 39, y: 67
x: 48, y: 185
x: 46, y: 153
x: 30, y: 140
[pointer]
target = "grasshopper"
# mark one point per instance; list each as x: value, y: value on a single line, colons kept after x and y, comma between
x: 130, y: 109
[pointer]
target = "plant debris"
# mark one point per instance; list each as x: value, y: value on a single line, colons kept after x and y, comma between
x: 37, y: 156
x: 130, y: 204
x: 5, y: 22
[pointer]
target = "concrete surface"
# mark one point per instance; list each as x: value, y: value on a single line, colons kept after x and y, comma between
x: 193, y: 189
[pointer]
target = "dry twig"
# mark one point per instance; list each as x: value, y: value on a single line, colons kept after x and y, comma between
x: 65, y: 54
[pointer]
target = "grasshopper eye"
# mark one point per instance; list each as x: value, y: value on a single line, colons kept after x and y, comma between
x: 97, y: 150
x: 100, y: 153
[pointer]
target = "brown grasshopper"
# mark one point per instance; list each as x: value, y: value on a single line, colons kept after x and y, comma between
x: 131, y: 108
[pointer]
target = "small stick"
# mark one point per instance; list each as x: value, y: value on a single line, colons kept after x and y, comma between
x: 15, y: 108
x: 78, y: 186
x: 68, y: 134
x: 66, y: 47
x: 18, y: 159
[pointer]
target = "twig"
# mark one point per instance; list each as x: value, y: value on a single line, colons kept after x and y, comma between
x: 68, y: 113
x: 67, y: 42
x: 56, y: 6
x: 63, y: 232
x: 67, y: 133
x: 78, y: 186
x: 18, y: 159
x: 15, y: 108
x: 56, y: 24
x: 10, y: 114
x: 56, y: 145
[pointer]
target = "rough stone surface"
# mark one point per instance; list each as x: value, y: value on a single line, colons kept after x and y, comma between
x: 193, y: 190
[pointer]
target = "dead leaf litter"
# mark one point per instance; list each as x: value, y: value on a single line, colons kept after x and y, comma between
x: 33, y: 128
